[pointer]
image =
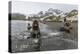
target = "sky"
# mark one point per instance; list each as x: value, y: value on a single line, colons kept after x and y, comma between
x: 26, y: 8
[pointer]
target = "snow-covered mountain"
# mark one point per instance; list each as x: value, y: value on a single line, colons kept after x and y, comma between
x: 54, y: 14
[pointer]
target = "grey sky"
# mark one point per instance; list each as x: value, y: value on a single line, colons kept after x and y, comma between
x: 34, y: 7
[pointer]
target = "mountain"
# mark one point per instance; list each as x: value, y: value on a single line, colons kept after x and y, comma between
x: 58, y: 15
x: 54, y: 15
x: 72, y: 13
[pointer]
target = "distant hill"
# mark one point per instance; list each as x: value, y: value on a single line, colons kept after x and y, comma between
x: 17, y: 16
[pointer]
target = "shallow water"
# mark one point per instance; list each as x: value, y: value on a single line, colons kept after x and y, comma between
x: 19, y: 26
x: 51, y: 40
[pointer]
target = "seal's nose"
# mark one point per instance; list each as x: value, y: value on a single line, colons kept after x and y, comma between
x: 35, y: 40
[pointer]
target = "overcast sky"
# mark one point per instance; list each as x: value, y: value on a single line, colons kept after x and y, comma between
x: 26, y: 8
